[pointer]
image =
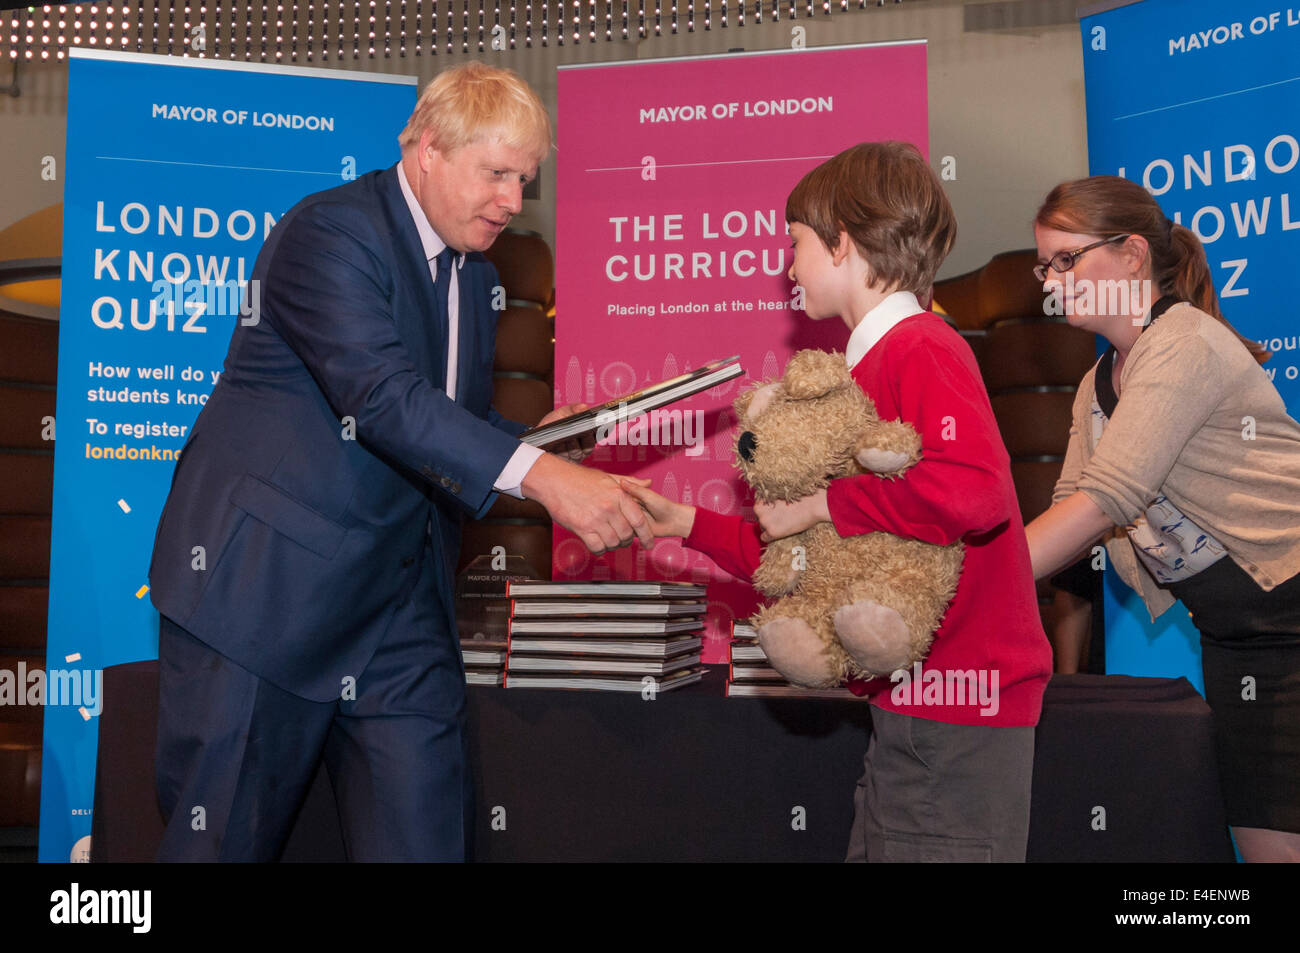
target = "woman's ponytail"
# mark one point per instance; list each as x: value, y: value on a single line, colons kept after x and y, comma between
x: 1186, y: 273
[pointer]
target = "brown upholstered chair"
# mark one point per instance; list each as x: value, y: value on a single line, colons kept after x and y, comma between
x: 525, y: 343
x: 1031, y: 363
x: 523, y: 390
x: 525, y: 265
x: 1034, y: 421
x: 26, y: 488
x: 1034, y: 352
x: 30, y: 251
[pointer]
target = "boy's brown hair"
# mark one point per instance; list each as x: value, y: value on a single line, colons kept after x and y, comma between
x: 891, y: 204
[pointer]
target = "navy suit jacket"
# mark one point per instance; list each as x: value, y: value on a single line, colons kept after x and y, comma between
x: 309, y: 540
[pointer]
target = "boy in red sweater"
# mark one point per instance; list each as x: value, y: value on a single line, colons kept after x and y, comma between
x: 950, y: 760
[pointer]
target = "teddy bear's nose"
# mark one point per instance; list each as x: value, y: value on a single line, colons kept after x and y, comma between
x: 745, y: 447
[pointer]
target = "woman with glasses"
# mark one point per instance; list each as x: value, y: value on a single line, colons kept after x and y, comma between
x: 1183, y: 458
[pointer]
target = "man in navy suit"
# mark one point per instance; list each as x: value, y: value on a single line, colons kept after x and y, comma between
x: 304, y: 560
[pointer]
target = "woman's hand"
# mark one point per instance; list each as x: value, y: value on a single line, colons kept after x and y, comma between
x: 666, y: 517
x: 781, y: 519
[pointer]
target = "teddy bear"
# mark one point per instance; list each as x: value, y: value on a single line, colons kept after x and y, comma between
x: 856, y: 607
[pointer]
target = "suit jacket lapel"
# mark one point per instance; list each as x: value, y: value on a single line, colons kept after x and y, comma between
x: 424, y: 329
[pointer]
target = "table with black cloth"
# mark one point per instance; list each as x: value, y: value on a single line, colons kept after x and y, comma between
x: 1124, y: 771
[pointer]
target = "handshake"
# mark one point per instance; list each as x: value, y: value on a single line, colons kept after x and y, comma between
x: 604, y: 511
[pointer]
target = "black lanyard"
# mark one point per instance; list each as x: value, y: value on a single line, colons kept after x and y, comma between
x: 1103, y: 385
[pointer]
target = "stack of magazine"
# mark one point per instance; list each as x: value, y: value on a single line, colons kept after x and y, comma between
x: 605, y: 636
x: 483, y: 615
x: 751, y: 675
x: 485, y: 660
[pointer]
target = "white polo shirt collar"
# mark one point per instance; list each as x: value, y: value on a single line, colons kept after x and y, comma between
x: 878, y: 322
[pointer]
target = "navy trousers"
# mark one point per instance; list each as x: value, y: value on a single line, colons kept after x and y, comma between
x: 236, y: 754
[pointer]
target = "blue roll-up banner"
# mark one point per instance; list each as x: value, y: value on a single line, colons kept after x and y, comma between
x: 1199, y: 101
x: 176, y: 170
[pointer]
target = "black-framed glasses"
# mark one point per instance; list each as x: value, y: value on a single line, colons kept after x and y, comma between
x: 1063, y: 261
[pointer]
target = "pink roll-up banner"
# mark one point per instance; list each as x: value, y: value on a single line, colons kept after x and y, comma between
x: 672, y: 251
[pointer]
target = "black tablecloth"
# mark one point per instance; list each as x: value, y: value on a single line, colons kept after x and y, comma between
x: 1124, y: 770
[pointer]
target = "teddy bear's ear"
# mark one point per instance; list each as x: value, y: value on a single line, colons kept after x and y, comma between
x: 754, y: 401
x: 814, y: 373
x: 741, y: 403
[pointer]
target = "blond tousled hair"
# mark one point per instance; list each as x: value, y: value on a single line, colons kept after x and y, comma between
x: 474, y: 102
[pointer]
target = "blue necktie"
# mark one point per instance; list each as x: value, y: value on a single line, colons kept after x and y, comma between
x: 441, y: 289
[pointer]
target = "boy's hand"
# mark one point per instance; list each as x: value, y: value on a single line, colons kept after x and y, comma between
x: 666, y: 517
x: 785, y: 519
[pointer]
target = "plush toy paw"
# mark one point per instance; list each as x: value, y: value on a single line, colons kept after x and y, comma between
x: 888, y: 448
x: 883, y: 461
x: 797, y: 652
x: 875, y: 636
x: 781, y: 568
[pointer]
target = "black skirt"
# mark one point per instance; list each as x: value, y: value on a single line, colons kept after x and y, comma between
x: 1250, y: 657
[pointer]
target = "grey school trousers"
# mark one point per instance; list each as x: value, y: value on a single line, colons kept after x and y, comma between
x: 933, y: 791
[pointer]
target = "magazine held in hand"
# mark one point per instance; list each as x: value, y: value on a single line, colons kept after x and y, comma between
x: 604, y: 418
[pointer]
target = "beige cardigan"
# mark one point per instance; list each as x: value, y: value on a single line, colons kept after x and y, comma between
x: 1198, y: 420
